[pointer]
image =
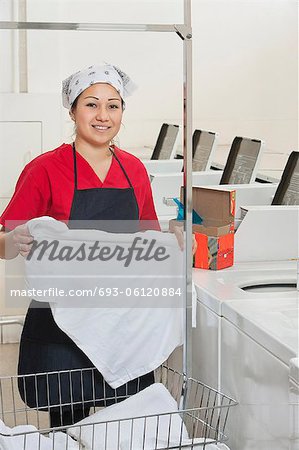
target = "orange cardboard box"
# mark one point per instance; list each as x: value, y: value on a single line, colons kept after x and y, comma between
x: 215, y: 236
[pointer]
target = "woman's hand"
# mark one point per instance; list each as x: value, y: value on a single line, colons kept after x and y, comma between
x: 22, y: 239
x: 13, y: 243
x: 179, y: 233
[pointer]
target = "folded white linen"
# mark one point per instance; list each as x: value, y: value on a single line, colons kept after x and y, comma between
x: 147, y: 434
x: 61, y: 441
x: 153, y: 400
x: 153, y: 444
x: 29, y: 438
x: 125, y: 336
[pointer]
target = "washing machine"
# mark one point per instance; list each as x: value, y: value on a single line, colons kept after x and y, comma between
x: 259, y: 338
x: 247, y: 328
x: 246, y: 334
x: 243, y: 281
x: 168, y: 185
x: 163, y: 166
x: 294, y: 404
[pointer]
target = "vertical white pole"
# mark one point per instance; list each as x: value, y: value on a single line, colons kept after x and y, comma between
x: 19, y: 46
x: 23, y: 72
x: 15, y: 48
x: 187, y: 151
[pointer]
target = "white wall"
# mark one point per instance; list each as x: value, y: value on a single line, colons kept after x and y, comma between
x: 153, y: 60
x: 6, y: 49
x: 245, y: 70
x: 245, y: 64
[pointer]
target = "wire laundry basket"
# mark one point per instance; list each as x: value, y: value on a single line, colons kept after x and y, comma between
x: 202, y: 411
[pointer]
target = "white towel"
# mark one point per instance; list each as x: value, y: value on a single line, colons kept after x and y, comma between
x: 152, y: 433
x: 124, y: 340
x: 153, y: 400
x: 152, y: 444
x: 61, y: 441
x: 31, y: 439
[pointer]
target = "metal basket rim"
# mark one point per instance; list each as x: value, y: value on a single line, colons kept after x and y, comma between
x: 92, y: 369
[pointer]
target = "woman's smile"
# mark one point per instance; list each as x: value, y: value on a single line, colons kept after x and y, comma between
x: 100, y: 128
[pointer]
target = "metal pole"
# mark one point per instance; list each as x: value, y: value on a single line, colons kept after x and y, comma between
x: 15, y: 49
x: 187, y: 152
x: 23, y: 74
x: 74, y: 26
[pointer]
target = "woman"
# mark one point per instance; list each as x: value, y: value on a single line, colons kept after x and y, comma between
x: 90, y: 180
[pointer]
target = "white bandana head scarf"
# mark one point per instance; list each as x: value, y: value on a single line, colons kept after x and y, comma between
x: 79, y: 81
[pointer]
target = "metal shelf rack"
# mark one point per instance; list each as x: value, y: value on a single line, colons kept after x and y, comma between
x: 184, y: 32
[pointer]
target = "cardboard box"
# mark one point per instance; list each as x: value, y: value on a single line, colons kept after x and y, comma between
x: 215, y: 236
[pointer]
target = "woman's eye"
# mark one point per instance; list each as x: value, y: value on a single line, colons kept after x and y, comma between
x: 114, y: 106
x: 91, y: 105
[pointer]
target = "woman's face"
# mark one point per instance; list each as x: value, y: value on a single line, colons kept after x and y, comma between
x: 97, y: 114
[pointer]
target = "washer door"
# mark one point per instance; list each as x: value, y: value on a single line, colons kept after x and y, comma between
x: 270, y: 287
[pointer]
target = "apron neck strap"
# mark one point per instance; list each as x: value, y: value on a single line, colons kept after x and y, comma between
x: 113, y: 154
x: 121, y: 166
x: 75, y: 166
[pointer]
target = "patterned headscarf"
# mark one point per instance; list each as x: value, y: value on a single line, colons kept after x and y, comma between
x: 79, y: 81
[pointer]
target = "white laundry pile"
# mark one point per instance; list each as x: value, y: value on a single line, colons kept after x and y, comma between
x: 125, y: 336
x: 113, y: 429
x: 202, y: 444
x: 30, y: 439
x: 147, y: 434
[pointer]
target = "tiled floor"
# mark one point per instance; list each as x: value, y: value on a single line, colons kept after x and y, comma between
x: 8, y: 359
x: 12, y: 408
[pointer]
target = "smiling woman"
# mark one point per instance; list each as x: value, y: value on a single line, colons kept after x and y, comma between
x: 90, y: 180
x: 97, y: 115
x: 90, y: 167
